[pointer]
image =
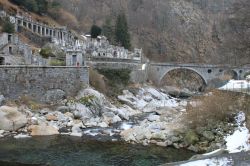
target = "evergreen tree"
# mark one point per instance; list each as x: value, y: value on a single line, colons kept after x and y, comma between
x: 31, y: 5
x: 95, y: 31
x: 121, y: 31
x: 8, y: 27
x: 108, y: 30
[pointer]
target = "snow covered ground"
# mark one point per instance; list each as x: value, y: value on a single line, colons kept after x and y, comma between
x: 239, y: 140
x: 237, y: 85
x: 211, y: 162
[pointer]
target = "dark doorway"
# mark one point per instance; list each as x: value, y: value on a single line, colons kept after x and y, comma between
x: 2, y: 61
x: 9, y: 38
x: 10, y: 50
x: 74, y: 60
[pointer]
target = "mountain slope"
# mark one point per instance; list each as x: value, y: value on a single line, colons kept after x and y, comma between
x: 214, y: 31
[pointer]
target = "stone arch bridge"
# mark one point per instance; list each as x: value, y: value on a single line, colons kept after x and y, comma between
x: 208, y: 73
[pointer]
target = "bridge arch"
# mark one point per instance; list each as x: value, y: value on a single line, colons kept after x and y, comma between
x: 191, y: 70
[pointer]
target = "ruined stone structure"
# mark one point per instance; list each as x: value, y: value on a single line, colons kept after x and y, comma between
x: 100, y: 49
x: 35, y: 81
x: 77, y: 48
x: 13, y: 51
x: 59, y: 35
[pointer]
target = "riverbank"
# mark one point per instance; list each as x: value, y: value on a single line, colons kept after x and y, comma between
x: 143, y: 115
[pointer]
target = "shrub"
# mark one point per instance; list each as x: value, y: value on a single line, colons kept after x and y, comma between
x: 46, y: 52
x: 220, y: 106
x: 117, y: 80
x: 97, y: 80
x: 57, y: 63
x: 117, y: 75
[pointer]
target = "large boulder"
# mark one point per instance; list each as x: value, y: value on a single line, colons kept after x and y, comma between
x: 186, y: 93
x: 95, y: 98
x: 43, y: 130
x: 53, y: 96
x: 11, y: 119
x: 173, y: 91
x: 110, y: 117
x: 80, y: 111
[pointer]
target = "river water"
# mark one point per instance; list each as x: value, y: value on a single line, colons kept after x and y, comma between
x: 73, y: 151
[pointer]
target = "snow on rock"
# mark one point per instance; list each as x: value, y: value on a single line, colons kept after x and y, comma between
x: 20, y: 136
x: 148, y: 99
x: 239, y: 140
x: 211, y: 162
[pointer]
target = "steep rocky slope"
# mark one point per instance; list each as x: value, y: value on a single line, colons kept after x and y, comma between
x: 205, y: 31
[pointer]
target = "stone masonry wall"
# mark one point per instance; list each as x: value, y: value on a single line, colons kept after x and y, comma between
x: 33, y: 81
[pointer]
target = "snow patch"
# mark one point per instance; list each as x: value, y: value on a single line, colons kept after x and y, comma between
x: 235, y: 85
x: 239, y: 140
x: 211, y: 162
x: 20, y: 136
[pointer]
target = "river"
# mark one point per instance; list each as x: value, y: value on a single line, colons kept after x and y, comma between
x: 74, y: 151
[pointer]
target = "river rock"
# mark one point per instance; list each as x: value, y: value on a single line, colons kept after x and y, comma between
x: 128, y: 135
x: 193, y: 148
x: 77, y: 130
x: 11, y: 118
x: 128, y: 99
x: 153, y: 118
x: 142, y: 133
x: 173, y: 91
x: 94, y: 98
x: 80, y: 111
x: 103, y: 125
x: 63, y: 109
x: 34, y: 121
x: 2, y: 100
x: 191, y: 138
x: 185, y: 93
x: 51, y: 117
x: 166, y: 110
x: 53, y: 96
x: 163, y: 144
x: 110, y: 117
x: 69, y: 115
x: 43, y: 130
x: 208, y: 135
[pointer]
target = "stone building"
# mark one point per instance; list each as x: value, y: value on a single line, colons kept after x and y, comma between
x: 75, y: 57
x: 13, y: 51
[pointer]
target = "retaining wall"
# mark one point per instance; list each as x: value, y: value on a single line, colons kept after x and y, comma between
x: 34, y: 81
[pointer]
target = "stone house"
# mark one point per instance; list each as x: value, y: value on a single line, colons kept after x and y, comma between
x: 13, y: 51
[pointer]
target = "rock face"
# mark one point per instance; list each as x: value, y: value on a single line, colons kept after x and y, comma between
x: 11, y: 118
x: 53, y: 96
x: 42, y: 130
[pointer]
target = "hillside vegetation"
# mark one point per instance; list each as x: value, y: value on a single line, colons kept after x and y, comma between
x: 204, y: 31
